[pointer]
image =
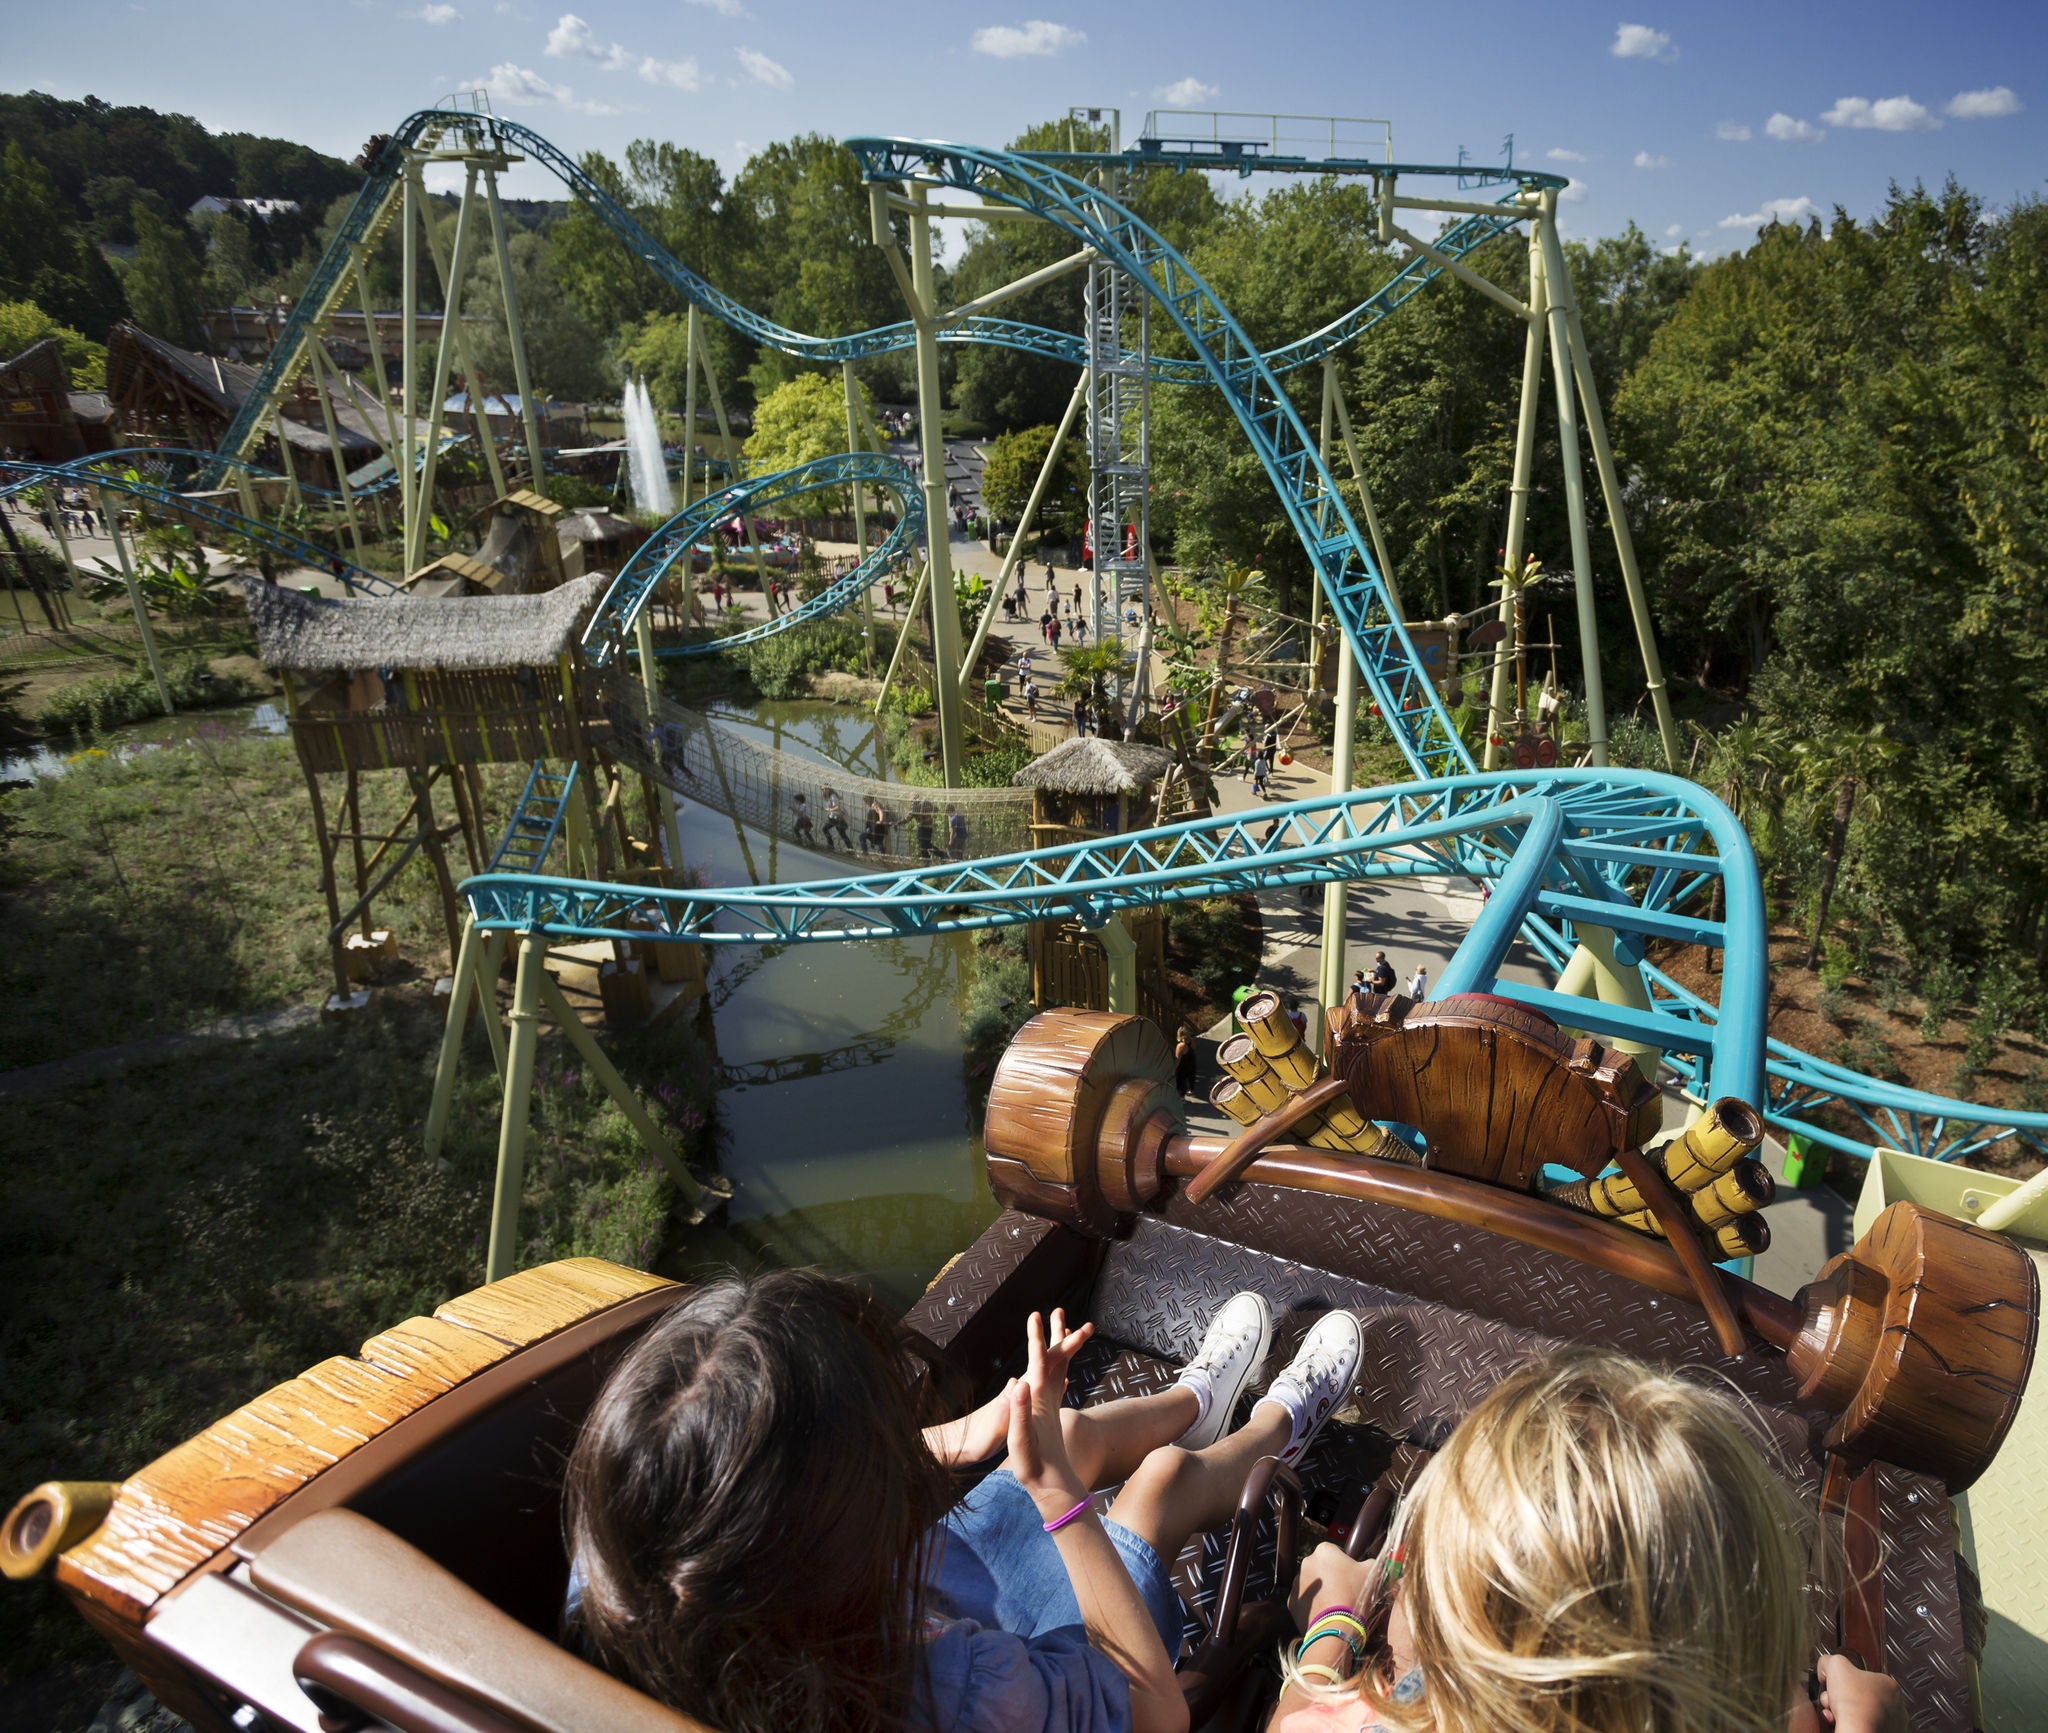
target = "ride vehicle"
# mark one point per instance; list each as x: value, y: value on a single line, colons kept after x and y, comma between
x: 380, y: 1540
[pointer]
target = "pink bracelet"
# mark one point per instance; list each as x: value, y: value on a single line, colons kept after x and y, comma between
x: 1348, y: 1612
x: 1061, y: 1522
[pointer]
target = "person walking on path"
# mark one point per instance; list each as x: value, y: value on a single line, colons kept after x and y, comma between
x: 1418, y: 984
x: 1080, y: 630
x: 1359, y: 990
x: 1259, y: 776
x: 1052, y: 634
x: 1382, y: 973
x: 835, y: 819
x: 1030, y: 697
x: 1080, y: 717
x: 1184, y: 1058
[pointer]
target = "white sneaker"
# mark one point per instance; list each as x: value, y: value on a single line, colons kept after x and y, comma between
x: 1233, y: 1349
x: 1318, y: 1379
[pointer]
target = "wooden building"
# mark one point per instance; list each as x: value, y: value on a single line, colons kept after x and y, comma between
x: 165, y: 395
x: 41, y: 416
x: 1085, y: 788
x: 430, y: 689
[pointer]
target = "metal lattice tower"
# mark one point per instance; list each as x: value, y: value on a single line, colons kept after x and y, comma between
x: 1119, y: 448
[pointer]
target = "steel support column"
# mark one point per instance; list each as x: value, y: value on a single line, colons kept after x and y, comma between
x: 1574, y: 480
x: 518, y: 1103
x: 1518, y: 496
x: 931, y: 408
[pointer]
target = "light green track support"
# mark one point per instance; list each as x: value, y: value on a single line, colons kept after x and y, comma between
x: 1518, y: 500
x: 135, y: 601
x: 854, y: 443
x: 695, y: 1193
x: 518, y: 1104
x: 1120, y: 952
x: 1593, y: 972
x: 903, y: 637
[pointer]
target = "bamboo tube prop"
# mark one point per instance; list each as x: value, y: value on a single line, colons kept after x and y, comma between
x: 1227, y: 1096
x: 1242, y: 1060
x: 1744, y: 1187
x: 1741, y: 1237
x: 53, y: 1518
x: 1274, y: 1034
x: 1711, y: 1145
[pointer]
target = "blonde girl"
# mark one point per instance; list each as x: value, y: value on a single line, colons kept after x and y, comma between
x: 1599, y: 1548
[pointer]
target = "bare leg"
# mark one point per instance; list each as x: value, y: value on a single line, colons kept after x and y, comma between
x: 1176, y: 1493
x: 1106, y: 1444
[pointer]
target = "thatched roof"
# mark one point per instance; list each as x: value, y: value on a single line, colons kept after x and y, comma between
x: 1089, y: 765
x: 297, y: 633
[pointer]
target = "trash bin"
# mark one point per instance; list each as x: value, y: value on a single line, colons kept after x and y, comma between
x: 992, y: 690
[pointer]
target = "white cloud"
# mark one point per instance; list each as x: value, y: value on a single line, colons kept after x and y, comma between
x: 1186, y: 93
x: 1887, y: 114
x: 762, y: 70
x: 439, y: 15
x: 1640, y: 42
x: 572, y: 38
x: 1562, y: 155
x: 676, y: 74
x: 521, y: 87
x: 1774, y: 211
x: 1574, y: 192
x: 1787, y: 130
x: 1645, y: 160
x: 1036, y: 36
x: 724, y: 8
x: 1674, y: 231
x: 1733, y: 131
x: 1993, y: 104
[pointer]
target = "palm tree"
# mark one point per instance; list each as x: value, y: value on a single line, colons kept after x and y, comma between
x: 1745, y: 768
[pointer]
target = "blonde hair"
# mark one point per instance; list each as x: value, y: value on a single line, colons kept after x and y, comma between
x: 1599, y: 1549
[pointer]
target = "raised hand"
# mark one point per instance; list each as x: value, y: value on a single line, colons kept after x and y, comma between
x: 1038, y: 1446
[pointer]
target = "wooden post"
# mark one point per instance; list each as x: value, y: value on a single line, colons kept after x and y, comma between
x: 328, y: 847
x: 511, y: 1179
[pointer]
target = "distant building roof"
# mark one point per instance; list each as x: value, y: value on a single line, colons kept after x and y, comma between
x: 312, y: 634
x: 214, y: 204
x: 1092, y: 765
x: 131, y: 350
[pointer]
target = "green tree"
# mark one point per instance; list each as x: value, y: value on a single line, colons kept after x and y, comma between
x: 801, y: 420
x: 1012, y: 470
x: 565, y: 357
x: 43, y: 257
x: 23, y: 323
x: 232, y: 270
x: 164, y: 280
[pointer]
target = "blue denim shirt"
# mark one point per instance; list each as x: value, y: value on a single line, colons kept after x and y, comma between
x: 979, y: 1680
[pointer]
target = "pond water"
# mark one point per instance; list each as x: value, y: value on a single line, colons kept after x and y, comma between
x: 844, y: 1114
x: 45, y: 761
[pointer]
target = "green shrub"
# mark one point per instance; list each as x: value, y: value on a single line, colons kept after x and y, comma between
x: 993, y: 766
x: 1942, y: 987
x: 1831, y: 1002
x: 113, y: 700
x: 1217, y: 944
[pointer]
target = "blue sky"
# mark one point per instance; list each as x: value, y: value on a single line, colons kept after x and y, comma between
x: 1696, y: 121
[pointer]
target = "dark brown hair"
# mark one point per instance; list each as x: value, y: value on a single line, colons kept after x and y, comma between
x: 749, y: 1504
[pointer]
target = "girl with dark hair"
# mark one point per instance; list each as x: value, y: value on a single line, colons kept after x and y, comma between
x: 757, y: 1525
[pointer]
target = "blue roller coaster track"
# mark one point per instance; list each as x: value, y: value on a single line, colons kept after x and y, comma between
x: 1627, y: 854
x: 371, y: 211
x: 655, y: 558
x: 1623, y: 854
x: 281, y: 542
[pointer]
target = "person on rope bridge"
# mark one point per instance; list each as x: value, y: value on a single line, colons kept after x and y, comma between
x: 926, y: 822
x: 956, y: 832
x: 874, y: 835
x: 835, y: 819
x: 800, y: 826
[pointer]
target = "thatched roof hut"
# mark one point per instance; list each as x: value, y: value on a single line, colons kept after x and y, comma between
x: 303, y: 634
x: 1089, y: 786
x: 1093, y: 766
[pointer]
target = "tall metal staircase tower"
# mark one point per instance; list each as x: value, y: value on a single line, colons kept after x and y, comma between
x: 1119, y: 457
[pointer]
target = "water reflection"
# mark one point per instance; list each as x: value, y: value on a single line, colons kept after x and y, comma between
x: 41, y: 763
x: 843, y: 1113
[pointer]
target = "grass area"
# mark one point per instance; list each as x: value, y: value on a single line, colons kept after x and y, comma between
x: 174, y: 887
x: 177, y: 1237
